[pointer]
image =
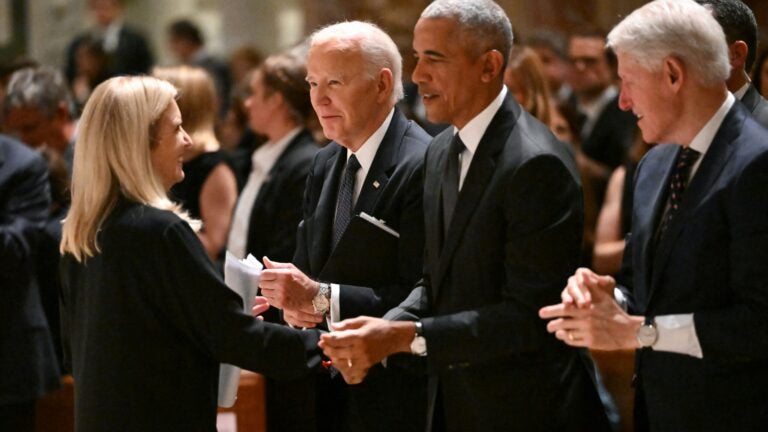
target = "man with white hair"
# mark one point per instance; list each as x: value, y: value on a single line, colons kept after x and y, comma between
x: 503, y: 217
x: 695, y: 259
x: 373, y: 165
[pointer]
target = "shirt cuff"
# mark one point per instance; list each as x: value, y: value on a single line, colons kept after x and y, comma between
x: 334, y: 314
x: 677, y: 334
x: 621, y: 299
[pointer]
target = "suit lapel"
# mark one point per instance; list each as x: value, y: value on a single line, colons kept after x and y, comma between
x: 700, y: 186
x: 481, y: 170
x: 383, y: 163
x: 651, y: 188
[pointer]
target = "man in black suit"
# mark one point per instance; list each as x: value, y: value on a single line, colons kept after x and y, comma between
x: 740, y: 27
x: 373, y: 165
x: 27, y: 359
x: 503, y: 218
x: 607, y: 132
x: 695, y: 257
x: 128, y: 52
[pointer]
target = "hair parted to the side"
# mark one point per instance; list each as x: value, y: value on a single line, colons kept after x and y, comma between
x: 484, y: 24
x: 197, y: 102
x: 112, y: 158
x: 379, y: 50
x: 682, y: 29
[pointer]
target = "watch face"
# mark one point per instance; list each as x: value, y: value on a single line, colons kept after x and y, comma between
x: 419, y: 345
x: 647, y: 335
x: 321, y: 304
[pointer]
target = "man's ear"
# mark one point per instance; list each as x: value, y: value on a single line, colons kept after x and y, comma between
x: 493, y: 65
x: 385, y: 85
x: 674, y: 73
x: 737, y: 55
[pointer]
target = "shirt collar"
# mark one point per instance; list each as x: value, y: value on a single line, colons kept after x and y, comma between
x: 367, y: 151
x: 266, y: 155
x: 473, y: 132
x: 702, y: 141
x: 742, y: 91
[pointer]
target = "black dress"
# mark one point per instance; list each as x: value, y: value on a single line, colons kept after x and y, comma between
x: 147, y: 321
x: 196, y: 172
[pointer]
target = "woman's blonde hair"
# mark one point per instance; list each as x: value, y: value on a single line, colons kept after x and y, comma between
x: 197, y: 103
x: 113, y: 158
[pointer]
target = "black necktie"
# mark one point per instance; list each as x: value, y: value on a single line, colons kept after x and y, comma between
x: 344, y: 205
x: 451, y: 181
x: 678, y: 183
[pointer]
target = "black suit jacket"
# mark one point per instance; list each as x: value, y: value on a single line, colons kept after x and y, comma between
x: 388, y: 400
x: 612, y: 135
x: 147, y: 321
x: 131, y: 57
x: 513, y: 242
x: 756, y: 104
x: 276, y: 211
x: 710, y: 262
x: 27, y: 358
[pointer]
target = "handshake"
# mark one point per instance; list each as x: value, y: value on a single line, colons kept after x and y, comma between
x: 354, y: 345
x: 357, y: 344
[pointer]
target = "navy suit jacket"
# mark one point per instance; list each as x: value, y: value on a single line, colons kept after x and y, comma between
x: 388, y: 400
x: 712, y: 262
x: 756, y: 104
x: 512, y: 243
x: 27, y: 359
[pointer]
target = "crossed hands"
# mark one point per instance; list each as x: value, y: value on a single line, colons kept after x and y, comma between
x: 588, y: 315
x: 286, y: 287
x: 359, y: 343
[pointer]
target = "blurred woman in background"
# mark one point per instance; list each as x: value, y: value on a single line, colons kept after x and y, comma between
x: 209, y: 189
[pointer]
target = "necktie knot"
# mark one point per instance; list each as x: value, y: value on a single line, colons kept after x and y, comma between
x: 457, y: 146
x: 352, y: 165
x: 688, y: 157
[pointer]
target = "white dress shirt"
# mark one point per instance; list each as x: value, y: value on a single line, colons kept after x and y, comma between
x: 473, y: 132
x: 262, y: 160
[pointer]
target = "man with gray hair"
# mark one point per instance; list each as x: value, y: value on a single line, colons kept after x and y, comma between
x: 503, y: 219
x: 740, y: 29
x: 696, y: 275
x: 373, y: 166
x: 39, y: 110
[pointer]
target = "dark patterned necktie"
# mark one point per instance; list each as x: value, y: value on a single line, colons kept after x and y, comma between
x: 344, y: 204
x: 678, y: 183
x: 451, y: 181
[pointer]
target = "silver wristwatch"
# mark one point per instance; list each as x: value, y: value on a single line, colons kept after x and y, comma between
x: 322, y: 300
x: 419, y: 343
x: 647, y: 334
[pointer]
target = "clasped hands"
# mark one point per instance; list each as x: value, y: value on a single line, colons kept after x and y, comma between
x: 588, y: 315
